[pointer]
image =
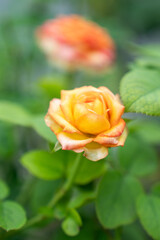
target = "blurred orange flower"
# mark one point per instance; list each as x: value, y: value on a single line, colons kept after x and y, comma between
x: 87, y: 119
x: 73, y: 42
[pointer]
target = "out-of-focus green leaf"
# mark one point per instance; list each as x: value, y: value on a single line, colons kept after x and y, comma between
x: 44, y: 165
x: 41, y: 128
x: 134, y: 232
x: 52, y: 86
x: 72, y: 223
x: 156, y: 189
x: 4, y: 190
x: 70, y: 226
x: 149, y: 214
x: 116, y: 197
x: 7, y: 140
x: 148, y: 62
x: 87, y: 232
x: 140, y: 92
x: 14, y: 113
x: 80, y: 197
x: 88, y: 170
x: 147, y: 130
x: 137, y: 157
x: 12, y: 215
x: 151, y: 50
x: 42, y: 193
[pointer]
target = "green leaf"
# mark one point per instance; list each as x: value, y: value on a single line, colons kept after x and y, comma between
x: 72, y: 223
x: 4, y: 190
x: 115, y: 203
x: 88, y: 170
x: 151, y: 50
x: 70, y: 226
x: 52, y: 85
x: 88, y: 232
x: 156, y: 189
x: 149, y: 214
x: 147, y: 62
x: 14, y: 113
x: 7, y: 140
x: 12, y: 215
x: 134, y: 231
x: 42, y: 192
x: 137, y: 157
x: 44, y: 165
x: 140, y: 92
x: 80, y: 197
x: 148, y: 130
x: 41, y: 128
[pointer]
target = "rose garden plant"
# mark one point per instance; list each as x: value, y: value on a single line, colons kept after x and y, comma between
x: 99, y: 170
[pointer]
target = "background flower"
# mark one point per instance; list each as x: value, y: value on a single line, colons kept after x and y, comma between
x: 87, y: 119
x: 73, y: 42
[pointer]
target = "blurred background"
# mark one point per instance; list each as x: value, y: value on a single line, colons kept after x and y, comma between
x: 28, y: 79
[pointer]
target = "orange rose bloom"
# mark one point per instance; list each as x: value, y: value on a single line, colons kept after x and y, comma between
x: 87, y: 119
x: 72, y: 42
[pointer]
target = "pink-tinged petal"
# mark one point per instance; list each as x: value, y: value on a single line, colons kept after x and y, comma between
x: 112, y: 102
x: 122, y: 138
x: 52, y: 124
x: 98, y: 60
x: 70, y: 141
x: 57, y: 115
x: 115, y: 131
x: 78, y: 150
x: 95, y: 151
x: 106, y: 141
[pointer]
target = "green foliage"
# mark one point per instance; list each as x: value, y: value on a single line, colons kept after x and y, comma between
x: 80, y: 197
x: 140, y: 92
x: 137, y: 157
x: 52, y: 85
x: 88, y: 232
x: 147, y: 130
x: 42, y: 193
x: 148, y: 50
x: 156, y: 189
x: 133, y: 232
x: 12, y: 215
x: 88, y: 170
x: 148, y: 212
x: 21, y: 81
x: 146, y: 62
x: 40, y: 127
x: 70, y: 226
x: 13, y: 113
x: 16, y: 114
x: 72, y: 223
x: 115, y: 202
x: 44, y: 165
x: 4, y: 190
x: 7, y: 140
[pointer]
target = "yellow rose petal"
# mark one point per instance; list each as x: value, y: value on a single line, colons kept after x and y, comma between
x: 57, y: 115
x: 70, y: 141
x: 95, y: 151
x: 92, y: 123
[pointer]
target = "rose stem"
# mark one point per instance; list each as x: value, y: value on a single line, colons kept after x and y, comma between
x: 59, y: 195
